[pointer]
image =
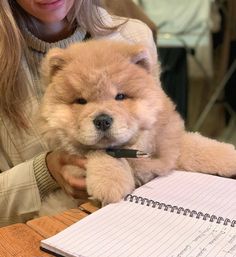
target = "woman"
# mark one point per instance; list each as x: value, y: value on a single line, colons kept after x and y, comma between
x: 29, y: 28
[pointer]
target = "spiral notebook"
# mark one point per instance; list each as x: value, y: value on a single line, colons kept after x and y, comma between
x: 182, y: 214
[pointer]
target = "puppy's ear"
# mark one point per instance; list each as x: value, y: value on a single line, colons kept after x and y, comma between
x: 141, y: 56
x: 54, y: 61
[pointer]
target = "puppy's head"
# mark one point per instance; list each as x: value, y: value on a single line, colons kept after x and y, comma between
x: 98, y: 94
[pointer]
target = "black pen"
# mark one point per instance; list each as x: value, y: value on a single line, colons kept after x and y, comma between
x: 127, y: 153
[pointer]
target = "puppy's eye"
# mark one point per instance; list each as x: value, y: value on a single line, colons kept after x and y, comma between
x: 80, y: 101
x: 120, y: 97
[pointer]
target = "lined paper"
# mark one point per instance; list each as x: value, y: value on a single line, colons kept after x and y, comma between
x: 194, y: 191
x: 132, y: 230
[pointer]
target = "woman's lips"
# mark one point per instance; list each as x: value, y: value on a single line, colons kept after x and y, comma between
x: 51, y: 5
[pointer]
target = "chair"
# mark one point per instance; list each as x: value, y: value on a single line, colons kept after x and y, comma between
x: 224, y: 73
x: 180, y: 35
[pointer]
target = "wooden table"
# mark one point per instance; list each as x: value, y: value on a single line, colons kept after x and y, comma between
x: 23, y: 240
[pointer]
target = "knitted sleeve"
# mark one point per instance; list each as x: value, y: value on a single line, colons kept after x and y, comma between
x: 45, y: 181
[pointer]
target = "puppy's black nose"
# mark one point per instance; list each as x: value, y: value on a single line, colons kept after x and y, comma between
x: 103, y: 122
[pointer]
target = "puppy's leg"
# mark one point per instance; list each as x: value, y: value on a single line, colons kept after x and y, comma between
x: 147, y: 169
x: 108, y: 179
x: 164, y: 158
x: 198, y: 153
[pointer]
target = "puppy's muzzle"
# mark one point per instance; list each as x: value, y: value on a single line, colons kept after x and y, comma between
x: 103, y: 122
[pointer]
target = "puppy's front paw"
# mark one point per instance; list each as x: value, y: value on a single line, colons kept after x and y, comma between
x: 108, y: 179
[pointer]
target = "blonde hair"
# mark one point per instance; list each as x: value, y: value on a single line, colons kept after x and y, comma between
x: 84, y: 12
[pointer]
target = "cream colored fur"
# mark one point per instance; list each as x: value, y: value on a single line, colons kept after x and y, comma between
x: 146, y: 119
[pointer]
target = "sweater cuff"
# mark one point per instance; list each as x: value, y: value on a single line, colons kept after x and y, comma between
x: 46, y: 183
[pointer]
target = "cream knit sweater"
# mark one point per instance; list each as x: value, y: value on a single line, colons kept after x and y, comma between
x: 24, y: 178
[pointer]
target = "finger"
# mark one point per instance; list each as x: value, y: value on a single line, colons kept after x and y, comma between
x: 79, y: 194
x: 73, y: 159
x: 77, y: 183
x: 75, y: 193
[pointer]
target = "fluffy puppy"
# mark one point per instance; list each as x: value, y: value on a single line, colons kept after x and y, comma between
x: 103, y: 94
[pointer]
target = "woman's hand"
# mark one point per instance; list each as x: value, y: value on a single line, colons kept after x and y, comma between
x: 66, y: 170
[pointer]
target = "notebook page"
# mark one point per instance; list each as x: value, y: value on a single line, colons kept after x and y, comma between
x: 195, y: 191
x: 130, y: 230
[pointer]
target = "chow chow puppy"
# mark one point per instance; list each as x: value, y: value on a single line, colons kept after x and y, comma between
x: 104, y: 94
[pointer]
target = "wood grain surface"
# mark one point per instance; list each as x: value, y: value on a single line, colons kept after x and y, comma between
x: 23, y: 240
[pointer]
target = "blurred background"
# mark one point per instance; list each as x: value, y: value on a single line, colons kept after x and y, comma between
x: 196, y: 44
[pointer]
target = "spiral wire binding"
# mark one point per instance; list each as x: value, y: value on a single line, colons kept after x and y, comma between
x: 179, y: 210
